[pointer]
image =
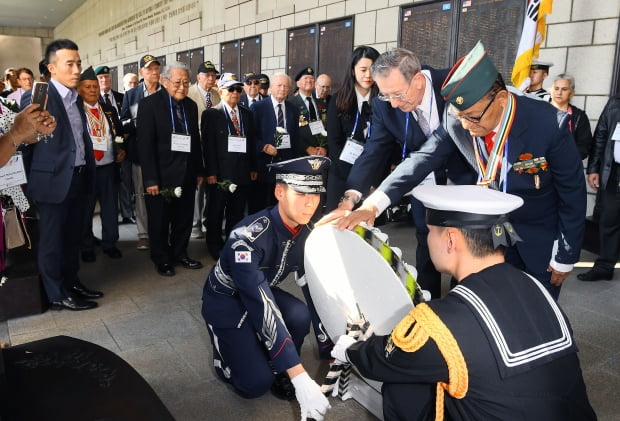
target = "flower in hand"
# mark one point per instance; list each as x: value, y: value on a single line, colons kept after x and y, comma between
x: 277, y: 138
x: 170, y: 193
x: 321, y: 139
x: 227, y: 185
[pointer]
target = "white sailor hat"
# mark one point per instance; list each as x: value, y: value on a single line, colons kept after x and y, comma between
x: 540, y: 65
x: 471, y: 207
x: 304, y: 175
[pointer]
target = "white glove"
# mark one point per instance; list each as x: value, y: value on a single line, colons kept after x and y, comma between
x: 339, y: 351
x: 308, y: 393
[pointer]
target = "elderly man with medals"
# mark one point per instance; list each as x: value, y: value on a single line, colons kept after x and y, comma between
x: 511, y: 143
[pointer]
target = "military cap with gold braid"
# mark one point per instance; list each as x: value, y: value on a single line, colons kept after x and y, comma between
x: 469, y: 79
x: 304, y: 175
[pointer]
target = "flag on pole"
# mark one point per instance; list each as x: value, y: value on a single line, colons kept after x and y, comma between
x: 533, y: 34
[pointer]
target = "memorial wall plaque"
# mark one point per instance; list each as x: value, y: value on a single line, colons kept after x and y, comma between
x: 440, y: 32
x: 335, y: 47
x: 250, y: 55
x: 130, y: 68
x: 498, y: 24
x: 427, y: 30
x: 229, y: 57
x: 301, y: 49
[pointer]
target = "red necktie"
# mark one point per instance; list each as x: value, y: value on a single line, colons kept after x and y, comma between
x: 98, y: 154
x: 488, y: 142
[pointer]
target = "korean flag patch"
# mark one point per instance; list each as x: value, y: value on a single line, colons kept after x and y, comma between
x: 243, y: 257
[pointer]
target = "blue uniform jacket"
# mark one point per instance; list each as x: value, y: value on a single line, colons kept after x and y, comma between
x: 553, y: 211
x: 258, y: 255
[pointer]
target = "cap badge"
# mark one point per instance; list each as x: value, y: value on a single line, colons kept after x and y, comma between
x: 149, y: 58
x: 315, y: 164
x: 459, y: 100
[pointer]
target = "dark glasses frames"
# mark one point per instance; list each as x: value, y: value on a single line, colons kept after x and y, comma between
x: 235, y: 88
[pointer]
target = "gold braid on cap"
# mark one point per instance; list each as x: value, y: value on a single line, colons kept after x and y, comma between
x: 414, y: 330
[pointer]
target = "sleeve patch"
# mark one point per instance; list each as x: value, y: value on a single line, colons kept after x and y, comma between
x: 256, y: 228
x: 243, y: 257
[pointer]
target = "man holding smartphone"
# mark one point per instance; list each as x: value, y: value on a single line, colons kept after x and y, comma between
x: 61, y: 171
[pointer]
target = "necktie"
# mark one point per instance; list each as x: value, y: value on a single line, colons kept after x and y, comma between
x: 179, y: 121
x: 208, y: 101
x: 235, y: 121
x: 311, y: 109
x: 423, y: 123
x: 280, y: 116
x: 253, y: 101
x: 488, y: 142
x: 107, y: 100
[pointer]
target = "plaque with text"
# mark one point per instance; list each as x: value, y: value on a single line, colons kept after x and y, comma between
x: 301, y: 50
x: 335, y: 47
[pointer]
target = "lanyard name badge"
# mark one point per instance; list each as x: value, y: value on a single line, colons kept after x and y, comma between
x: 179, y: 142
x: 285, y: 142
x: 13, y: 173
x: 352, y: 148
x: 316, y: 126
x: 236, y: 143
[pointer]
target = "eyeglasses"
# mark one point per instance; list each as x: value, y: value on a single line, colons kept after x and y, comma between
x: 252, y: 82
x: 475, y: 119
x: 178, y: 83
x: 235, y: 88
x: 397, y: 97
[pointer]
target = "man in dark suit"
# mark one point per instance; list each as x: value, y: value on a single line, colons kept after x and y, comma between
x: 61, y: 171
x: 103, y: 128
x: 271, y: 146
x: 414, y: 95
x: 533, y: 155
x: 109, y: 96
x: 149, y: 71
x: 228, y: 138
x: 170, y: 154
x: 251, y: 86
x: 312, y: 115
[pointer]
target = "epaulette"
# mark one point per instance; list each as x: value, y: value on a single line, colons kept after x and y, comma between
x: 256, y: 228
x: 414, y: 330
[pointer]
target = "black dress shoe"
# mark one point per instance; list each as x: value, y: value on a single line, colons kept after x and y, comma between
x: 282, y: 388
x: 73, y: 304
x: 129, y: 220
x: 113, y: 253
x: 165, y: 269
x: 96, y: 241
x: 81, y: 291
x: 88, y: 256
x: 188, y: 263
x: 595, y: 275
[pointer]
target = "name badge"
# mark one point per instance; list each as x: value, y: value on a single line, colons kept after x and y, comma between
x: 12, y: 173
x: 99, y: 143
x: 286, y: 142
x: 351, y: 151
x: 181, y: 143
x: 616, y: 135
x: 316, y: 127
x: 237, y: 144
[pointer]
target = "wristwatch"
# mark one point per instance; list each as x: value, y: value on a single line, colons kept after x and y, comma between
x: 352, y: 199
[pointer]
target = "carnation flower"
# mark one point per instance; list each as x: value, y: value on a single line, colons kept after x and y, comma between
x: 119, y: 139
x: 227, y: 185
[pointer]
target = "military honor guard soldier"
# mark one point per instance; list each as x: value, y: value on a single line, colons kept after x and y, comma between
x: 257, y: 329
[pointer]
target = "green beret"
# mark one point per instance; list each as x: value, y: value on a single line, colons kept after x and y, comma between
x: 88, y: 74
x: 102, y: 70
x: 470, y: 79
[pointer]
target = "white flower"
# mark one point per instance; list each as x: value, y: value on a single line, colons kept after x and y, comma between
x: 178, y: 191
x: 281, y: 130
x: 323, y: 133
x: 232, y: 188
x: 119, y: 139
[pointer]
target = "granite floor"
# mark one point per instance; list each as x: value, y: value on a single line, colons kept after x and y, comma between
x: 154, y: 323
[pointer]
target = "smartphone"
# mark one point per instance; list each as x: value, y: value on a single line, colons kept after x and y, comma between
x: 39, y: 94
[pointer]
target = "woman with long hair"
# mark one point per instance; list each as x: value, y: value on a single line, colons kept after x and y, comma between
x: 348, y: 120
